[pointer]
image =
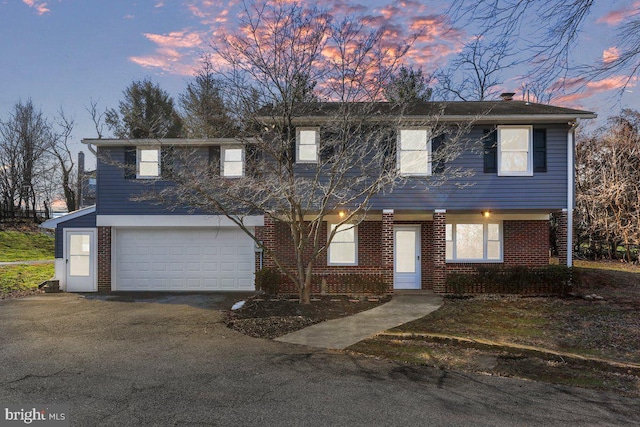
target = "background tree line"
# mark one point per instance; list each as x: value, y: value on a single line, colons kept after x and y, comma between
x: 607, y: 215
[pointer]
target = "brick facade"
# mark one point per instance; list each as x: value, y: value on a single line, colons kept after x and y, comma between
x: 439, y: 272
x: 526, y: 243
x: 386, y: 247
x: 561, y: 236
x: 104, y: 259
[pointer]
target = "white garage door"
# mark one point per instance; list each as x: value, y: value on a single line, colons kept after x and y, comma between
x: 184, y: 259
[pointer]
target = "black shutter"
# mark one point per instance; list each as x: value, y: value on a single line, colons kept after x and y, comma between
x: 437, y: 154
x: 539, y: 150
x: 167, y: 162
x: 390, y: 151
x: 328, y: 144
x: 130, y: 154
x: 251, y: 157
x: 490, y: 142
x: 214, y: 159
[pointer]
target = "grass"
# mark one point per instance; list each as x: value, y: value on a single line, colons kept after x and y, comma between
x: 17, y: 278
x: 608, y: 329
x: 25, y: 246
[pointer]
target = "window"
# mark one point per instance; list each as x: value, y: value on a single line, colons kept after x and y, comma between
x: 474, y: 242
x: 232, y: 162
x: 148, y: 163
x: 414, y: 153
x: 515, y: 150
x: 343, y: 248
x: 307, y: 145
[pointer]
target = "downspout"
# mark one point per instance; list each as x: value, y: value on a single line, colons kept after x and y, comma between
x: 570, y: 188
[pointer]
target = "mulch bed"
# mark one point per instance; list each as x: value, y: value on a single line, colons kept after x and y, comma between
x: 271, y: 317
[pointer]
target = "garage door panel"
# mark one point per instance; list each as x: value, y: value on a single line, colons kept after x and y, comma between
x: 184, y: 259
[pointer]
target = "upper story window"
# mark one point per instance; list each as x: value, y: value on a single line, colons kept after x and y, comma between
x: 232, y: 162
x: 148, y: 162
x: 515, y: 150
x: 307, y: 141
x: 414, y: 152
x: 343, y: 248
x: 474, y: 242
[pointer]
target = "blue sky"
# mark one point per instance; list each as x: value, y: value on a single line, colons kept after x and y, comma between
x: 63, y: 53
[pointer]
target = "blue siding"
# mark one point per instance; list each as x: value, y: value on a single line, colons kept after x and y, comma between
x: 542, y: 191
x: 85, y: 221
x: 115, y: 193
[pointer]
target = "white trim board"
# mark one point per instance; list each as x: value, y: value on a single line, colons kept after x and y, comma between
x: 53, y: 223
x: 175, y: 221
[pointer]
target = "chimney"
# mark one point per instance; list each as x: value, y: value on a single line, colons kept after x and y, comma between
x: 507, y: 96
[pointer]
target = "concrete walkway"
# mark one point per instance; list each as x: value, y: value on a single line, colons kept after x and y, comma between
x: 339, y: 334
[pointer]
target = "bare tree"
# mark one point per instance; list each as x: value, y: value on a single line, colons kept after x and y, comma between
x: 608, y: 185
x: 24, y: 138
x: 476, y: 74
x: 286, y: 59
x: 97, y: 117
x: 59, y: 148
x: 550, y: 41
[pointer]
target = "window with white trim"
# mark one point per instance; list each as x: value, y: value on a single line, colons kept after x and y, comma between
x: 414, y: 152
x: 148, y: 162
x: 476, y: 242
x: 307, y: 145
x: 343, y: 249
x: 515, y: 150
x: 232, y: 162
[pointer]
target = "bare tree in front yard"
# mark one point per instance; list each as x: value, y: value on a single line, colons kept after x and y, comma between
x: 285, y: 60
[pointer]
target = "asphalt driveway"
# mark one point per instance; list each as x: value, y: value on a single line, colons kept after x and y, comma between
x: 168, y: 360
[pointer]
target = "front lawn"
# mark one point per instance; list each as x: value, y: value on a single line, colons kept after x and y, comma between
x: 538, y: 338
x: 25, y: 246
x: 18, y: 279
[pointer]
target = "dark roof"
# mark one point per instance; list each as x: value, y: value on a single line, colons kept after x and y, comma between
x: 454, y: 109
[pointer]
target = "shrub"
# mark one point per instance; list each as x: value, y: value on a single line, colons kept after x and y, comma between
x: 556, y: 279
x: 367, y: 283
x: 460, y: 284
x: 268, y: 280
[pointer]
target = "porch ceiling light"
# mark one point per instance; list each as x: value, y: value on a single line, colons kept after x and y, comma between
x: 486, y: 214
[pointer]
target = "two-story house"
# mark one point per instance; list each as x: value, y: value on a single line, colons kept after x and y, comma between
x: 412, y: 237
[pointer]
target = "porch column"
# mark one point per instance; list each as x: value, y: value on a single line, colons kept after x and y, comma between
x: 439, y: 250
x: 269, y: 239
x: 387, y: 248
x: 563, y: 239
x: 104, y: 259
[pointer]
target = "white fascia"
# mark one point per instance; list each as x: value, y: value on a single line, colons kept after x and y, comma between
x: 175, y: 221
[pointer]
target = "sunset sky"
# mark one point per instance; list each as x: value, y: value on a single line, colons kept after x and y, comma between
x: 63, y: 53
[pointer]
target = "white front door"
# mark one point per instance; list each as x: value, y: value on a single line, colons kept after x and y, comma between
x: 80, y: 258
x: 406, y: 257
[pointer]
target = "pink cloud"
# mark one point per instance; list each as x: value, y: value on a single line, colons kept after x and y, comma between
x: 181, y: 39
x: 592, y: 88
x: 390, y: 12
x: 168, y: 63
x: 610, y: 83
x: 40, y: 7
x: 615, y: 17
x: 610, y: 55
